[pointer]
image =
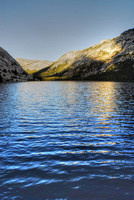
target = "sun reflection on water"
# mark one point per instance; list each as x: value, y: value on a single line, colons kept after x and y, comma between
x: 70, y: 134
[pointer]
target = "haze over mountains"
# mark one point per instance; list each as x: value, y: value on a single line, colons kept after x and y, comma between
x: 32, y: 66
x: 110, y: 60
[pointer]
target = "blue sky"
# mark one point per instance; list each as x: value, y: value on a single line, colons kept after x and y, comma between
x: 46, y: 29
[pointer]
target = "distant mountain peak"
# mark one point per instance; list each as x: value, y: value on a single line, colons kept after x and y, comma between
x: 32, y: 66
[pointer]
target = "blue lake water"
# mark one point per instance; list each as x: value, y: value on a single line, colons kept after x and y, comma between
x: 67, y: 140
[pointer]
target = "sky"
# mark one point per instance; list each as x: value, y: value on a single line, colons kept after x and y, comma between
x: 46, y: 29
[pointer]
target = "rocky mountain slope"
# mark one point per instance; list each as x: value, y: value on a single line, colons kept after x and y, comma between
x: 10, y: 70
x: 111, y: 60
x: 32, y: 66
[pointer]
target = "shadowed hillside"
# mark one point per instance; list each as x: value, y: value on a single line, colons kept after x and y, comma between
x: 10, y: 70
x: 111, y: 59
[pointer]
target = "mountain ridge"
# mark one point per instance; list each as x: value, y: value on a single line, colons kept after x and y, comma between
x: 32, y: 66
x: 111, y: 59
x: 10, y: 70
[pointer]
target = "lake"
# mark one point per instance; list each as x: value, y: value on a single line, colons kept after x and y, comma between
x: 67, y: 140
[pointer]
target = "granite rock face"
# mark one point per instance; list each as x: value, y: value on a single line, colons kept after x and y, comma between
x: 110, y: 60
x: 10, y: 70
x: 33, y: 66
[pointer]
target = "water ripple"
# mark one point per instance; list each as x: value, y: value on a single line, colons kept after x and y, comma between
x: 65, y: 137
